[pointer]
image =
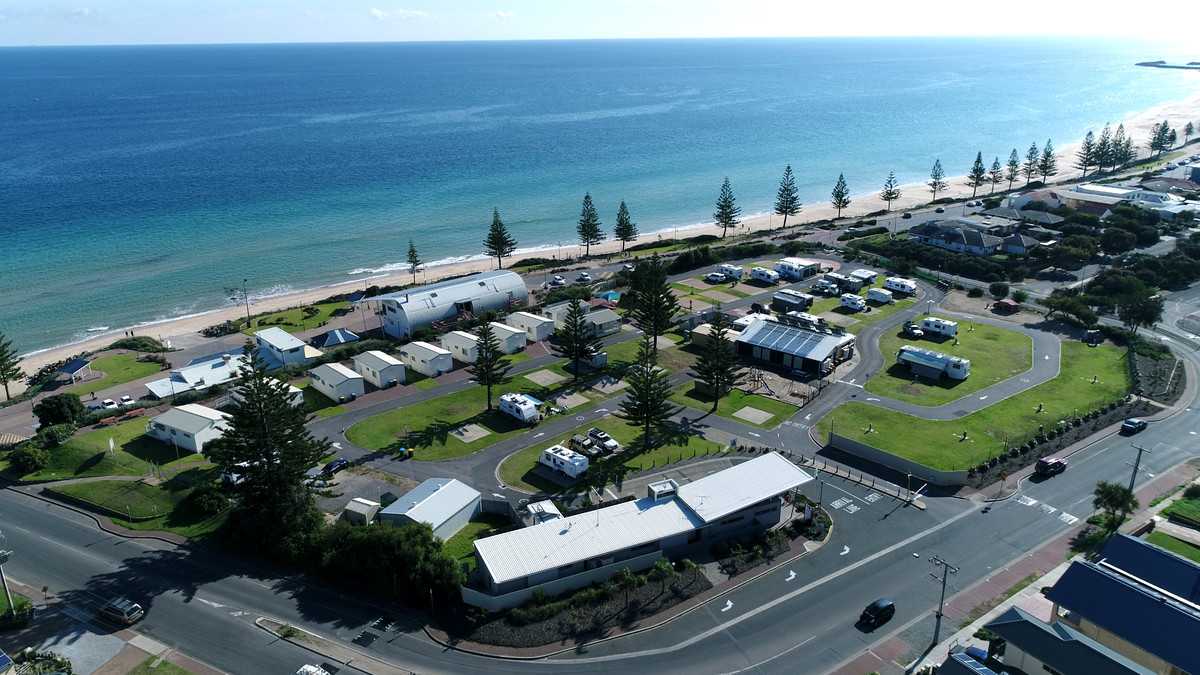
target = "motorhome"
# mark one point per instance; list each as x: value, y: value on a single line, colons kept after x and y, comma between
x: 765, y: 275
x: 564, y: 461
x: 794, y: 268
x: 520, y: 407
x: 731, y: 271
x: 900, y: 285
x: 852, y: 301
x: 880, y: 295
x: 845, y: 283
x: 786, y: 300
x: 932, y: 324
x: 825, y: 286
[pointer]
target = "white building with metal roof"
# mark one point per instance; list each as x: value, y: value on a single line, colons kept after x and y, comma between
x: 562, y: 554
x: 444, y: 503
x: 188, y: 427
x: 379, y: 368
x: 337, y: 382
x: 280, y: 348
x: 198, y: 374
x: 403, y: 312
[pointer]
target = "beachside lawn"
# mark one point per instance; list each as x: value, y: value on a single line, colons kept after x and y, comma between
x: 118, y: 369
x: 461, y: 545
x: 294, y: 319
x: 520, y: 471
x: 1176, y: 546
x: 689, y: 396
x: 938, y: 445
x: 88, y: 454
x: 317, y: 403
x: 164, y: 504
x: 1187, y: 507
x: 996, y: 354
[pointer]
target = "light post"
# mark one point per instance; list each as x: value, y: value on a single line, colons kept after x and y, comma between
x: 246, y: 297
x: 947, y: 570
x: 1132, y: 478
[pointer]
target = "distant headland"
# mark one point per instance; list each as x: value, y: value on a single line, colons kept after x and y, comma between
x: 1190, y: 65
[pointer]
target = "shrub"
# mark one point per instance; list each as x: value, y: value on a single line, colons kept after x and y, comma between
x: 998, y: 289
x: 49, y: 438
x: 28, y: 458
x: 1020, y: 295
x: 975, y: 292
x: 1192, y: 491
x: 58, y: 409
x: 208, y: 500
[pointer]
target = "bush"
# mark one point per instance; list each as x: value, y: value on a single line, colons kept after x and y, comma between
x: 27, y: 458
x: 208, y: 500
x: 49, y: 438
x: 975, y: 292
x: 1192, y: 491
x: 1020, y: 295
x: 58, y: 409
x: 998, y: 289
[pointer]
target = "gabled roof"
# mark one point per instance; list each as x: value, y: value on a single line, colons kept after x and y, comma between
x: 332, y: 338
x: 1021, y: 240
x: 377, y: 360
x: 419, y: 348
x: 74, y: 366
x: 1041, y: 217
x: 1061, y: 647
x: 334, y: 373
x: 216, y: 369
x: 789, y: 339
x: 455, y: 289
x: 602, y: 316
x: 1140, y: 593
x: 279, y: 338
x: 191, y: 418
x: 1003, y: 212
x: 720, y: 494
x: 434, y: 501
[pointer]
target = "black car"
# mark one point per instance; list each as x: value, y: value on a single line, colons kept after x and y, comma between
x: 336, y: 466
x: 1133, y: 425
x: 759, y: 308
x: 1050, y: 466
x: 906, y: 215
x: 877, y: 612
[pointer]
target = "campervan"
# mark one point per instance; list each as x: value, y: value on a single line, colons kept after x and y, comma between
x: 825, y: 286
x: 900, y: 285
x: 879, y: 295
x: 731, y: 271
x: 520, y: 407
x: 564, y: 461
x: 933, y: 324
x: 847, y: 284
x: 852, y: 301
x: 764, y: 274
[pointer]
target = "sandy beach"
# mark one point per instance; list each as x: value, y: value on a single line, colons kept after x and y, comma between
x: 864, y: 201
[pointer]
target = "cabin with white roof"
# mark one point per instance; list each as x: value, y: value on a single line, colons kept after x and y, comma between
x: 379, y: 368
x: 188, y: 427
x: 429, y: 360
x: 537, y: 328
x: 337, y: 382
x: 512, y: 340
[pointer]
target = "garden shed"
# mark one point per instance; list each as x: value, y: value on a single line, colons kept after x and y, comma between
x: 1008, y: 306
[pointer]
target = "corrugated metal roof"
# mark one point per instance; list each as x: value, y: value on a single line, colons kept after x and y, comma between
x: 471, y: 282
x: 335, y: 373
x: 720, y: 494
x: 434, y: 501
x: 422, y: 349
x: 564, y: 541
x: 377, y: 360
x: 789, y: 340
x: 1060, y: 646
x: 190, y: 418
x: 279, y: 338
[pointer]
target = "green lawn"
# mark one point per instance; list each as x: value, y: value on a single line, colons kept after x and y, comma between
x: 118, y: 369
x: 293, y: 320
x: 937, y: 444
x: 166, y: 500
x: 157, y: 666
x: 88, y: 454
x: 19, y: 600
x: 996, y: 354
x: 318, y: 403
x: 518, y: 469
x: 878, y: 313
x: 1174, y: 545
x: 729, y: 287
x: 461, y: 544
x: 687, y: 395
x: 1189, y: 508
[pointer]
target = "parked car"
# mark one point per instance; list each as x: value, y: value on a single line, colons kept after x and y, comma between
x: 714, y: 278
x: 628, y: 267
x: 309, y: 669
x: 940, y: 210
x: 913, y: 330
x: 582, y: 444
x: 584, y: 277
x: 121, y: 611
x: 759, y: 308
x: 335, y: 466
x: 1133, y: 425
x: 94, y: 407
x: 557, y: 280
x: 109, y: 404
x: 877, y: 612
x: 127, y: 400
x: 602, y: 437
x: 1050, y: 466
x: 906, y: 215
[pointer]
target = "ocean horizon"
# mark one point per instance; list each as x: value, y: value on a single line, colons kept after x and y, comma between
x: 140, y: 184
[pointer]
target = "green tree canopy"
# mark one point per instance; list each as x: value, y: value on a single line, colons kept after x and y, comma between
x: 1031, y: 163
x: 1013, y: 168
x: 499, y: 243
x: 1113, y: 499
x: 937, y: 179
x: 10, y: 360
x: 647, y: 403
x: 576, y: 339
x: 787, y: 200
x: 589, y: 225
x: 653, y: 305
x: 414, y: 260
x: 977, y: 176
x: 995, y: 175
x: 727, y: 212
x: 491, y: 365
x: 1104, y: 149
x: 625, y: 230
x: 891, y: 190
x: 1085, y: 157
x: 1047, y: 163
x: 58, y: 409
x: 718, y: 367
x: 840, y: 197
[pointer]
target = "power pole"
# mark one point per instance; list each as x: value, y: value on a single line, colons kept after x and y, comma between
x: 947, y: 570
x: 1132, y: 478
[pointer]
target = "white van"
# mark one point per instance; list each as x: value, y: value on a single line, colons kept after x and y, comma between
x: 880, y: 295
x: 764, y: 274
x: 519, y: 407
x: 731, y: 271
x: 900, y: 285
x: 852, y: 301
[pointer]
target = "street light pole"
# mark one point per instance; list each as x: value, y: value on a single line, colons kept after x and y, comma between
x: 947, y: 570
x: 246, y: 297
x: 1132, y: 478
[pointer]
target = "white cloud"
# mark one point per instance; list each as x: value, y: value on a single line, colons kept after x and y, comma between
x: 380, y: 16
x: 503, y: 15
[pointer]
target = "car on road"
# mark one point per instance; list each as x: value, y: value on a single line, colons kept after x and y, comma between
x: 601, y: 436
x: 906, y: 215
x: 309, y: 669
x: 628, y: 267
x: 1171, y: 165
x: 557, y: 280
x: 584, y: 277
x: 1050, y: 466
x: 851, y: 230
x: 940, y: 210
x: 878, y: 612
x: 121, y: 611
x: 714, y: 278
x: 1133, y: 425
x: 94, y: 407
x: 335, y: 466
x: 127, y: 400
x: 109, y: 404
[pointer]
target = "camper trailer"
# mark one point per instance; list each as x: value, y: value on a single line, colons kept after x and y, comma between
x: 933, y: 324
x: 852, y: 301
x: 520, y: 407
x: 764, y: 274
x: 564, y: 461
x: 931, y: 364
x: 880, y: 295
x: 845, y: 283
x: 900, y: 285
x: 825, y: 286
x: 866, y: 276
x: 731, y: 271
x: 786, y: 300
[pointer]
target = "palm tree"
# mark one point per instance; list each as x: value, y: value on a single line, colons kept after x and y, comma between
x: 625, y: 581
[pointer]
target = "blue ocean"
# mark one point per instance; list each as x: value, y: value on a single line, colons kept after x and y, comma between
x: 143, y: 183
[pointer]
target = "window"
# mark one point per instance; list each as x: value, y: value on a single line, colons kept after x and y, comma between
x: 730, y: 521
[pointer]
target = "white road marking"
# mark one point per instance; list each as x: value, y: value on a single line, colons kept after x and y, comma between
x: 497, y: 494
x: 809, y: 416
x: 210, y: 603
x: 791, y: 575
x: 1067, y: 518
x: 539, y: 434
x: 754, y: 434
x: 728, y: 606
x: 983, y: 398
x: 845, y: 550
x: 1026, y: 501
x: 610, y: 493
x: 872, y: 399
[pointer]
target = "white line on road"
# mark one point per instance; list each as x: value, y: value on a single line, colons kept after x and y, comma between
x: 728, y: 606
x: 497, y: 494
x: 791, y: 575
x: 754, y: 434
x: 610, y: 493
x: 845, y: 550
x: 539, y: 434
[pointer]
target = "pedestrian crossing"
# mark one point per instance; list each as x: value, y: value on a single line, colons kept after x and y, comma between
x: 1065, y: 517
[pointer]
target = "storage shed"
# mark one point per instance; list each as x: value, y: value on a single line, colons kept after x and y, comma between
x: 380, y: 369
x: 537, y: 328
x: 1008, y: 306
x: 360, y: 511
x: 337, y: 382
x: 462, y: 346
x: 444, y: 503
x: 512, y: 340
x: 429, y: 360
x: 403, y: 312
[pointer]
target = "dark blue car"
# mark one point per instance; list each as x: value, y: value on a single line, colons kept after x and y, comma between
x: 336, y: 466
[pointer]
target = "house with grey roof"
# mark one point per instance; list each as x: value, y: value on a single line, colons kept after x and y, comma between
x: 188, y: 427
x: 955, y: 236
x: 796, y: 344
x: 1033, y: 646
x: 1018, y: 244
x: 279, y: 348
x: 445, y: 504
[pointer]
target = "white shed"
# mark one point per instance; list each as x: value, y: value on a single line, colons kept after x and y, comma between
x: 188, y: 427
x: 403, y: 312
x: 512, y: 340
x: 337, y: 382
x: 360, y: 511
x: 537, y: 328
x: 280, y: 348
x: 444, y: 503
x: 429, y: 360
x: 380, y: 369
x: 462, y: 346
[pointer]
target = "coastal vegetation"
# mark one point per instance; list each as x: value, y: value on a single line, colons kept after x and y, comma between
x: 625, y: 230
x: 891, y: 190
x: 718, y: 369
x: 10, y: 364
x: 499, y: 243
x: 647, y: 401
x: 787, y: 200
x: 589, y: 226
x: 728, y: 211
x: 118, y: 369
x: 295, y: 319
x: 840, y: 197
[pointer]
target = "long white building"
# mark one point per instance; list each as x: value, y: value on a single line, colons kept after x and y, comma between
x: 403, y: 312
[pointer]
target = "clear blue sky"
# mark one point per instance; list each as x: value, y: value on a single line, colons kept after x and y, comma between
x: 66, y: 22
